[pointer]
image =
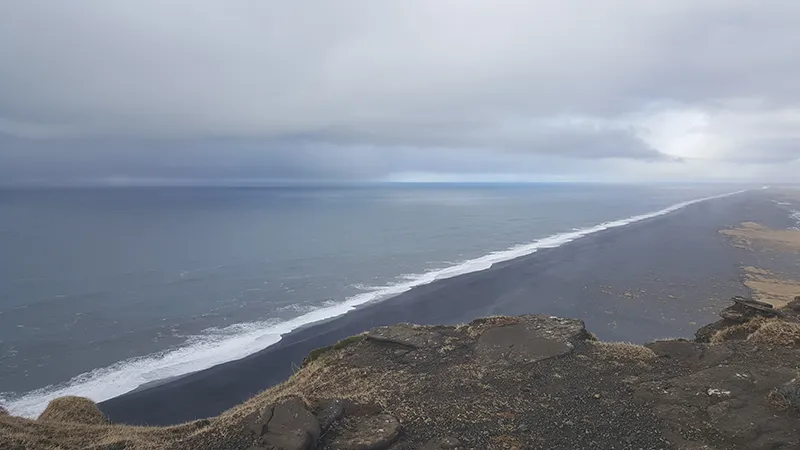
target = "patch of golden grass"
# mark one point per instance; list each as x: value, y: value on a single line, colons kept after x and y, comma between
x: 742, y: 330
x: 770, y: 288
x: 623, y: 351
x: 777, y: 332
x: 749, y: 233
x: 73, y: 409
x: 786, y: 397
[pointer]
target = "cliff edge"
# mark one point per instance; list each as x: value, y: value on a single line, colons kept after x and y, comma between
x: 524, y: 382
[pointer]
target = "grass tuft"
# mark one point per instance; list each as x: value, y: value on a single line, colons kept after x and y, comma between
x: 777, y: 332
x: 316, y: 353
x: 74, y: 410
x: 623, y: 351
x: 786, y: 397
x: 738, y: 332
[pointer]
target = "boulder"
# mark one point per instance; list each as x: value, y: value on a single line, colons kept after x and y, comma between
x: 330, y: 413
x: 73, y: 409
x: 745, y: 309
x: 288, y: 425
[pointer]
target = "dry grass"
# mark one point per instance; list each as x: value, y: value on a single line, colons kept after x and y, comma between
x: 314, y: 354
x: 770, y: 288
x: 777, y: 332
x: 750, y: 233
x: 786, y: 397
x: 73, y: 409
x: 623, y: 351
x: 739, y: 331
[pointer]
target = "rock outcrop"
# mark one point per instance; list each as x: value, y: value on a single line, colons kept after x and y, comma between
x: 524, y: 382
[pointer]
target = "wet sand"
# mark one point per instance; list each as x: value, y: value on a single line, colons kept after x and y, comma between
x: 663, y: 277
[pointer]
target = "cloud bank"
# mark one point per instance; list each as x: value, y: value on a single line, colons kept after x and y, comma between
x: 202, y: 91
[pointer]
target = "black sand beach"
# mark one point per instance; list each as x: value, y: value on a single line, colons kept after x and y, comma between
x: 662, y: 277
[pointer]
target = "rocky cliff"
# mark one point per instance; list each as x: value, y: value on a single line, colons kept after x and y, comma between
x: 524, y: 382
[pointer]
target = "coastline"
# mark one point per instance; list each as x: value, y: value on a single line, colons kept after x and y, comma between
x: 624, y: 283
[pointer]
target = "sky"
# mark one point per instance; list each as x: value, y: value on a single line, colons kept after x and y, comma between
x: 210, y: 92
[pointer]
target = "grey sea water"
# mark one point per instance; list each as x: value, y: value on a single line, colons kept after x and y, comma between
x: 103, y: 290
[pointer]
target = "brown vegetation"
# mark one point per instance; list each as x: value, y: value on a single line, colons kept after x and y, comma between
x: 503, y: 382
x: 749, y: 234
x: 777, y: 332
x: 73, y: 409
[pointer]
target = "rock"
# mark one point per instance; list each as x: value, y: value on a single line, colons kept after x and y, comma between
x: 705, y: 333
x: 73, y: 409
x: 285, y: 426
x: 405, y: 335
x: 3, y: 411
x: 535, y: 338
x: 794, y: 305
x: 745, y: 309
x: 331, y: 413
x: 368, y: 433
x: 256, y: 422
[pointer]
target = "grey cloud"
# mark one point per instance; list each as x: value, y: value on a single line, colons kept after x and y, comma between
x: 363, y: 89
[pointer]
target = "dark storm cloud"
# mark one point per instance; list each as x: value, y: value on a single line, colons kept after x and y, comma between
x: 365, y: 89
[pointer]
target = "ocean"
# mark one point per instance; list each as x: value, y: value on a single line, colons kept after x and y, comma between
x: 103, y: 290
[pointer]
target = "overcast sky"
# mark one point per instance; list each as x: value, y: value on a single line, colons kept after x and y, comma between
x: 202, y: 91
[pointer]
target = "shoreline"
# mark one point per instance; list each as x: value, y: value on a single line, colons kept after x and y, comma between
x: 251, y: 343
x: 634, y: 304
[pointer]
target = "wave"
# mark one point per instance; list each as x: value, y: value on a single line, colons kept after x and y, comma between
x: 220, y: 345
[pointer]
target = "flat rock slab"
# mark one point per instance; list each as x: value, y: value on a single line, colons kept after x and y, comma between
x: 368, y: 433
x: 533, y: 339
x: 411, y: 336
x: 288, y: 425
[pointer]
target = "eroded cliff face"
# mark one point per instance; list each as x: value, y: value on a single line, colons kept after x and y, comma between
x: 501, y: 382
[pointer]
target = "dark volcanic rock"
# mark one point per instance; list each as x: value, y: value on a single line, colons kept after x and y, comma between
x: 330, y: 412
x: 745, y: 309
x: 285, y: 426
x: 535, y: 339
x: 526, y: 382
x: 406, y: 335
x: 794, y: 305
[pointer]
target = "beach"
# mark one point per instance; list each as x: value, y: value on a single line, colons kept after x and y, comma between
x: 657, y: 278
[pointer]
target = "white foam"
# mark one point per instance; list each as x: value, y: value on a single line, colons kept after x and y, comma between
x: 220, y: 345
x: 796, y: 216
